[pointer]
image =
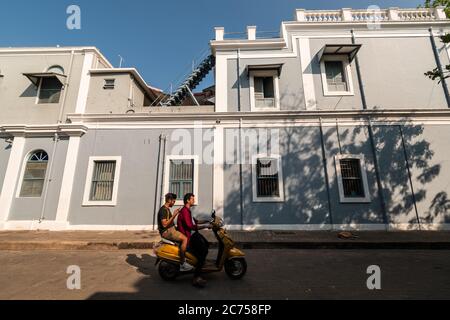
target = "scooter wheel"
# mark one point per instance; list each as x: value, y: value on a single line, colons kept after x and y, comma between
x: 236, y: 268
x: 168, y: 271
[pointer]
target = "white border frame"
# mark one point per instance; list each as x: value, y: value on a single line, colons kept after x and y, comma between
x: 280, y: 178
x: 348, y: 75
x: 167, y: 176
x: 276, y: 88
x: 89, y: 176
x: 22, y: 174
x: 362, y: 164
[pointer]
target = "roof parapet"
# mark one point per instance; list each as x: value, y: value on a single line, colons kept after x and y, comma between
x: 367, y: 15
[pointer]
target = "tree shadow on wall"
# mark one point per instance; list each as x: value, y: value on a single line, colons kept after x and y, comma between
x: 306, y: 201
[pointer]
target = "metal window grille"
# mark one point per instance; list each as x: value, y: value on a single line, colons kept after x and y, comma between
x: 181, y: 177
x: 109, y: 84
x: 34, y: 176
x: 352, y: 178
x: 103, y: 181
x: 336, y: 79
x: 50, y: 91
x: 267, y: 178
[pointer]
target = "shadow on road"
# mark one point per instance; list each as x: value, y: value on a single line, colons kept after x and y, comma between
x: 152, y: 287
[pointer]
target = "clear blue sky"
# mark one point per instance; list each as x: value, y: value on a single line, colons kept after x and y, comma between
x: 158, y: 37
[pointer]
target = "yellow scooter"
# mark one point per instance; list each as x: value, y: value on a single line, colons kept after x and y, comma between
x: 229, y: 257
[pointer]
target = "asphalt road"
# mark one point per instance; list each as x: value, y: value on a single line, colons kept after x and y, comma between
x: 272, y: 274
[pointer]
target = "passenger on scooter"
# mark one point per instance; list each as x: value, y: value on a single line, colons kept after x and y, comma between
x: 166, y: 226
x: 197, y: 244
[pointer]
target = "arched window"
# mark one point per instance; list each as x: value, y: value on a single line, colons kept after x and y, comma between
x: 56, y: 69
x: 34, y: 175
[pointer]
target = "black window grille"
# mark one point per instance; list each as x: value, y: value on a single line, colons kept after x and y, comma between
x: 352, y: 178
x: 267, y: 178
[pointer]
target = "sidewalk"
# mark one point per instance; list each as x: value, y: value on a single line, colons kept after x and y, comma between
x: 120, y: 240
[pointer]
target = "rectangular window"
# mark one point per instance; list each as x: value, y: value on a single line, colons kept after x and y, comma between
x: 336, y: 80
x: 267, y: 179
x: 33, y: 180
x: 109, y: 84
x: 352, y: 178
x: 181, y: 179
x: 264, y: 92
x: 181, y: 176
x: 102, y: 181
x: 49, y: 90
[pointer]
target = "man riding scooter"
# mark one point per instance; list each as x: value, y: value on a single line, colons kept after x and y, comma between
x: 197, y: 244
x: 166, y: 226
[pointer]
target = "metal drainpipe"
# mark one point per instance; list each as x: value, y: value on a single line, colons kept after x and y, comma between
x: 377, y: 174
x: 241, y: 191
x: 66, y: 87
x: 239, y: 78
x: 440, y: 68
x: 327, y: 181
x: 49, y: 178
x: 358, y: 71
x: 410, y: 176
x: 155, y: 206
x: 164, y: 139
x: 372, y: 141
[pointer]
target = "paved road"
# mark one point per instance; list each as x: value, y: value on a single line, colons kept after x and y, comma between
x: 273, y: 274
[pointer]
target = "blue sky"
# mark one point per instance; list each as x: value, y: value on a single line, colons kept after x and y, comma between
x: 159, y: 38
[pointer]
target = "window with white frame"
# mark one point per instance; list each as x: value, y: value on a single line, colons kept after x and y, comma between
x: 267, y: 179
x: 102, y: 181
x: 34, y: 175
x: 264, y: 90
x: 352, y: 179
x: 336, y: 75
x: 181, y: 176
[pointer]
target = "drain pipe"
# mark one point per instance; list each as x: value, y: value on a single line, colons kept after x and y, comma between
x: 377, y: 175
x: 239, y: 78
x: 241, y: 191
x: 325, y: 168
x: 66, y: 87
x: 410, y: 176
x: 49, y: 178
x: 358, y: 72
x: 162, y: 145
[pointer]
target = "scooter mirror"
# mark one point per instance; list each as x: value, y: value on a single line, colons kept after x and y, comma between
x: 213, y: 214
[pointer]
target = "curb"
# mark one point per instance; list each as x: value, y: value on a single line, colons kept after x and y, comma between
x: 331, y: 245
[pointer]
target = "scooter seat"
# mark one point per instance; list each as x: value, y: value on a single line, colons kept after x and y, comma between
x: 168, y: 242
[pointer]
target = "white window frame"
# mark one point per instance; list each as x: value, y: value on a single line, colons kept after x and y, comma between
x: 348, y: 75
x: 276, y: 88
x: 87, y: 188
x: 169, y: 158
x: 22, y: 175
x: 255, y: 159
x: 363, y: 168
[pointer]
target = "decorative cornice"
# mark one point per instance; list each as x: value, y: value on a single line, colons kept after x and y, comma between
x: 65, y: 130
x: 425, y: 114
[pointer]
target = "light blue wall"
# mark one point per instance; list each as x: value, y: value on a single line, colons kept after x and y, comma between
x: 137, y: 184
x: 30, y: 208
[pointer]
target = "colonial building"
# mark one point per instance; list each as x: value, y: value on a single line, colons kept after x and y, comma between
x: 330, y: 125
